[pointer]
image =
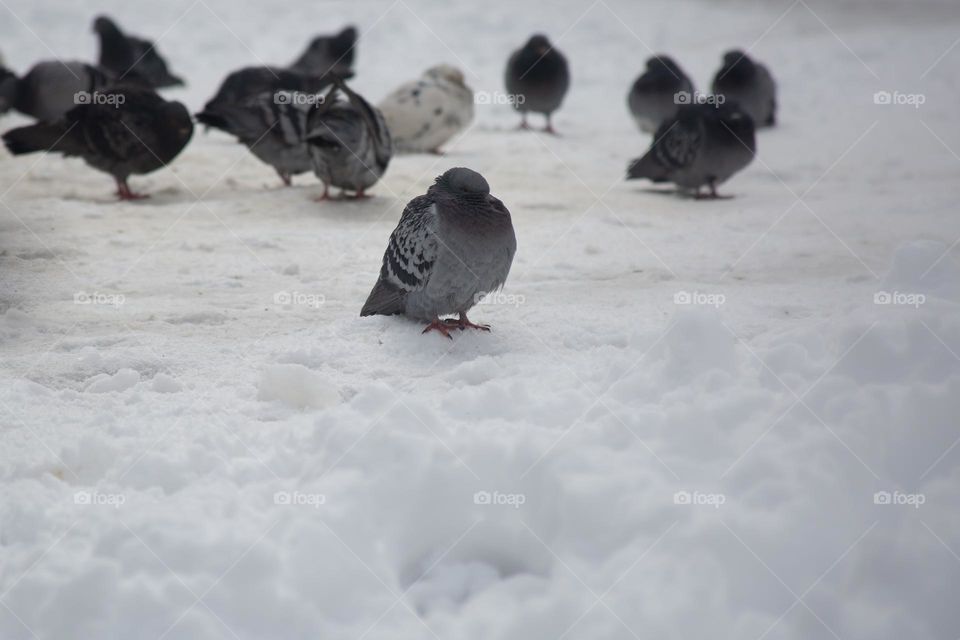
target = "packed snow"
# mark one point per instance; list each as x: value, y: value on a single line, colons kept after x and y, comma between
x: 692, y: 419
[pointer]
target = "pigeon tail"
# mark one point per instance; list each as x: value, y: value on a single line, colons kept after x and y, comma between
x: 385, y: 300
x: 43, y: 136
x: 646, y: 167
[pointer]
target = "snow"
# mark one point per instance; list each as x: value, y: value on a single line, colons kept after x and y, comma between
x: 202, y: 439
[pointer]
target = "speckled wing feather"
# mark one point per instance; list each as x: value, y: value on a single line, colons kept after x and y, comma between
x: 408, y: 261
x: 678, y: 143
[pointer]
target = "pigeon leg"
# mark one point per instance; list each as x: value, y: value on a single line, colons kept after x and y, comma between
x: 286, y: 178
x: 523, y: 121
x: 360, y: 195
x: 549, y: 128
x: 438, y: 325
x: 464, y: 323
x: 323, y: 196
x: 124, y: 193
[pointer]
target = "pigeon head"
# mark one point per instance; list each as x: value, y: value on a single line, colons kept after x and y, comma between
x: 737, y: 67
x: 462, y: 182
x: 659, y: 62
x: 346, y: 38
x: 105, y: 26
x: 734, y: 56
x: 539, y: 44
x: 448, y: 73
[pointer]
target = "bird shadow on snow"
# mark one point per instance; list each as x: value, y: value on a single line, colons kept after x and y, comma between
x: 685, y: 195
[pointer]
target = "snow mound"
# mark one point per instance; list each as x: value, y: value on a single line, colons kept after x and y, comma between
x: 297, y: 386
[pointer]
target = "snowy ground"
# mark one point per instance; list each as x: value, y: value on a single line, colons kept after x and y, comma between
x: 186, y: 456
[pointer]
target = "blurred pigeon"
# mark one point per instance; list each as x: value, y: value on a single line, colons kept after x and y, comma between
x: 9, y: 84
x: 326, y: 54
x: 348, y: 140
x: 249, y: 82
x: 423, y: 114
x: 702, y: 144
x: 124, y: 55
x: 452, y: 246
x: 272, y: 125
x: 53, y: 87
x: 127, y: 130
x: 749, y: 84
x: 537, y: 79
x: 658, y: 93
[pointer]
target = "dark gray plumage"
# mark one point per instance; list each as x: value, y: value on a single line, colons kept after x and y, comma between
x: 50, y: 88
x: 749, y: 84
x: 658, y: 93
x: 273, y: 125
x: 136, y: 135
x: 125, y: 55
x: 329, y: 54
x: 249, y: 82
x: 348, y: 140
x: 703, y: 145
x: 537, y: 78
x: 452, y: 246
x: 9, y: 84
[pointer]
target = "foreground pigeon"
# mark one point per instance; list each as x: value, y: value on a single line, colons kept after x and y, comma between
x: 128, y: 130
x: 537, y: 79
x: 658, y: 93
x: 125, y: 55
x: 452, y: 246
x: 749, y: 84
x: 703, y: 145
x: 53, y: 87
x: 329, y: 54
x: 272, y: 125
x: 423, y: 114
x: 348, y: 140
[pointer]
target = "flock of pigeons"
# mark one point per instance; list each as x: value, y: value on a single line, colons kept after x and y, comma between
x: 453, y: 245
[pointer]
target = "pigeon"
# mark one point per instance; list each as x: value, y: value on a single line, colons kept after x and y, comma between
x: 348, y: 140
x: 452, y: 246
x: 249, y: 82
x: 425, y: 113
x: 127, y: 130
x: 272, y: 125
x: 9, y: 84
x: 53, y: 87
x: 326, y: 54
x: 750, y: 84
x: 702, y: 145
x: 658, y: 92
x: 537, y: 79
x: 124, y: 55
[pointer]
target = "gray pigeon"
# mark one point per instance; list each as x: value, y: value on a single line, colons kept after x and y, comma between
x: 537, y: 79
x: 703, y: 145
x: 658, y: 93
x: 51, y: 88
x: 328, y: 54
x: 125, y: 55
x: 272, y: 125
x: 348, y: 141
x: 452, y: 246
x: 749, y: 84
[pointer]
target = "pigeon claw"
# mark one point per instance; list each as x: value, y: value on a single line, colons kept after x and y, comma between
x: 464, y: 323
x: 438, y: 325
x: 124, y: 193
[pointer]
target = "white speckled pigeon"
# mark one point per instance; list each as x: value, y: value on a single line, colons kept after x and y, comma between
x: 348, y: 141
x: 425, y: 113
x: 703, y: 145
x: 452, y: 246
x: 749, y: 84
x: 537, y: 79
x: 124, y: 55
x: 658, y: 93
